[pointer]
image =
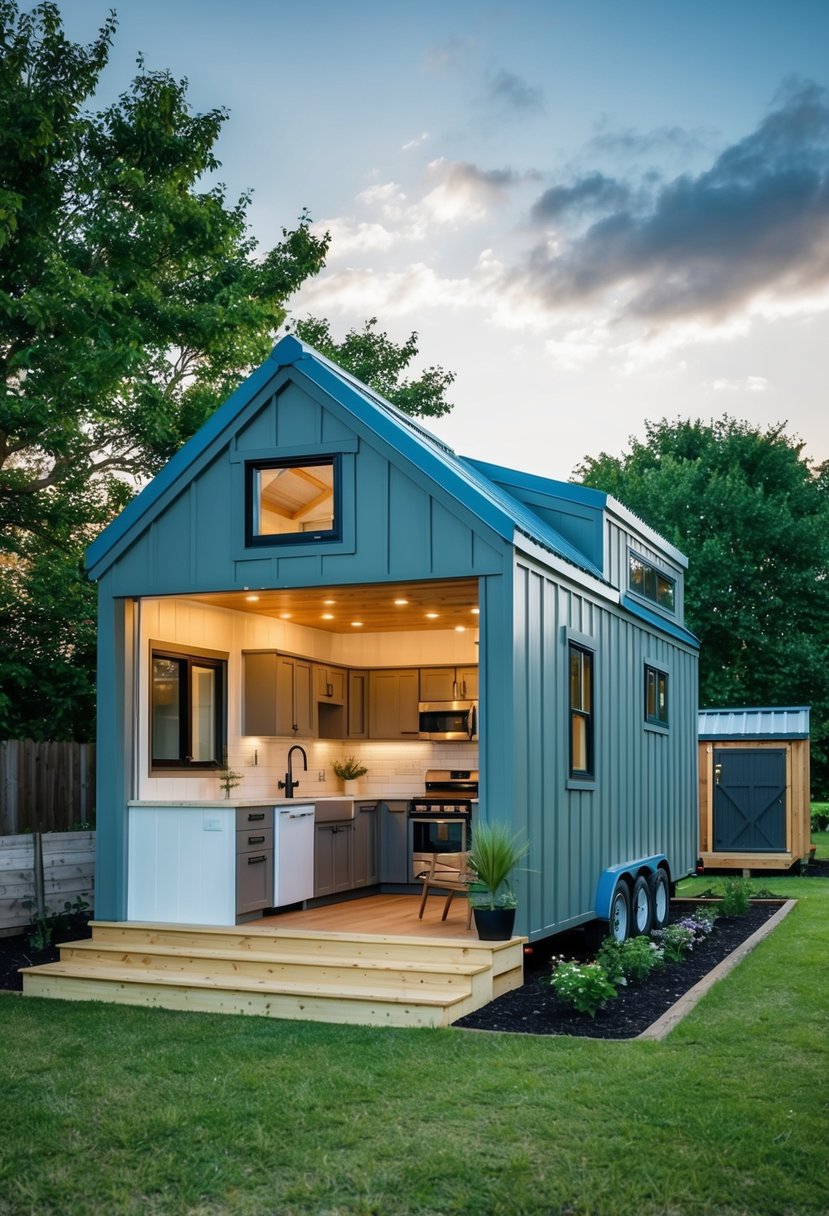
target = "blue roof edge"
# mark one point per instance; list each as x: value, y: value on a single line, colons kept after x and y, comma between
x: 659, y: 622
x: 569, y: 490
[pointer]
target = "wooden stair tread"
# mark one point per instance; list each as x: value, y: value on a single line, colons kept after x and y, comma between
x: 408, y: 966
x: 422, y: 995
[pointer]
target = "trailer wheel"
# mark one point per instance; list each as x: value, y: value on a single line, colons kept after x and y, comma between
x: 642, y: 908
x: 660, y: 898
x: 620, y: 912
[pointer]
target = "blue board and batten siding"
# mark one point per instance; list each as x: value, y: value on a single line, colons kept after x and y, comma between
x: 551, y: 563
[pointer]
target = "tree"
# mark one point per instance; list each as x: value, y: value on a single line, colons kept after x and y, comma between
x: 752, y: 516
x: 371, y: 356
x: 132, y: 301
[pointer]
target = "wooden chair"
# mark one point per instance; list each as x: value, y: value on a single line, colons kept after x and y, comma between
x: 448, y: 872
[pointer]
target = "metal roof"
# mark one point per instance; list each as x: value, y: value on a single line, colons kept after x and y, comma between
x: 774, y: 723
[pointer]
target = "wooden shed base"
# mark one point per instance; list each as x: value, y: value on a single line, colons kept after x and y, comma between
x: 749, y: 861
x: 370, y: 979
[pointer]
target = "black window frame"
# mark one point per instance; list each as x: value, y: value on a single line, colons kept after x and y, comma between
x: 267, y: 539
x: 654, y: 677
x: 653, y: 576
x: 184, y: 762
x: 579, y: 712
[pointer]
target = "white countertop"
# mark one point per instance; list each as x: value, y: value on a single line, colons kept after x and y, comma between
x: 220, y: 803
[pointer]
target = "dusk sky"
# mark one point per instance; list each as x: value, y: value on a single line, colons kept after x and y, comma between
x: 596, y: 212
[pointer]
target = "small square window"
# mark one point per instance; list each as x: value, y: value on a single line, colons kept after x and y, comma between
x: 656, y: 697
x: 293, y: 501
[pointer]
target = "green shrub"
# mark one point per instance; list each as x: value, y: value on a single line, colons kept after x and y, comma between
x: 584, y: 986
x: 736, y: 895
x: 674, y: 941
x: 629, y: 961
x: 820, y: 818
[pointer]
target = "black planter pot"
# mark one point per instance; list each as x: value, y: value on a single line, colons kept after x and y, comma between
x: 494, y: 924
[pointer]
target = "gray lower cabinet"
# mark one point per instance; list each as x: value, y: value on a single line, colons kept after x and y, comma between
x: 394, y: 841
x: 254, y: 859
x: 366, y: 853
x: 333, y: 852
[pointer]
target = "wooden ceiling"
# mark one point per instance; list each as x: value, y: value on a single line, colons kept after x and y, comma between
x: 443, y: 604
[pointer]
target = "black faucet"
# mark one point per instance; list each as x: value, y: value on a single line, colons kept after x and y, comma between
x: 289, y: 785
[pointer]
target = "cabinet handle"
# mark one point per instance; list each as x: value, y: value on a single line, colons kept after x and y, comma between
x: 255, y: 818
x: 256, y: 839
x: 410, y: 732
x: 253, y: 861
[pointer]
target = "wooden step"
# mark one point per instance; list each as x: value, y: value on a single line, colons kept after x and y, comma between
x: 334, y: 977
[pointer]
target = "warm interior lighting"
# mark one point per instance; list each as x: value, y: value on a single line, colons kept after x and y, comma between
x: 252, y: 599
x: 285, y: 616
x: 329, y: 602
x: 460, y: 629
x: 476, y: 611
x: 432, y: 616
x: 401, y: 603
x: 328, y: 616
x: 357, y: 624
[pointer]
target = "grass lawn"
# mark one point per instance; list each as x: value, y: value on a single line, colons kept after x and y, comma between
x: 112, y: 1111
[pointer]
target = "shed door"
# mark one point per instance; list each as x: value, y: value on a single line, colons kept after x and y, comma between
x: 750, y: 800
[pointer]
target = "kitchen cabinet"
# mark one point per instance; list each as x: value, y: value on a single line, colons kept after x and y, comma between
x: 357, y: 704
x: 449, y: 683
x: 333, y: 857
x: 278, y: 695
x: 394, y: 841
x: 366, y: 849
x: 197, y: 864
x: 331, y: 684
x: 393, y: 703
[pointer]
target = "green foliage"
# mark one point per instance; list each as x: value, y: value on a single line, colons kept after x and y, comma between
x: 132, y: 301
x: 752, y: 515
x: 584, y: 986
x: 494, y: 855
x: 629, y: 961
x: 372, y: 356
x: 349, y: 769
x: 674, y: 942
x: 736, y: 896
x: 820, y: 817
x: 228, y: 779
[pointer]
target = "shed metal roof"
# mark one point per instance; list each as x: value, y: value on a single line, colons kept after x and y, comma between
x: 754, y: 724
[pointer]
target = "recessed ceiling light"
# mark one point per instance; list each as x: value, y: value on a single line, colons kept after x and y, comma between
x: 401, y: 603
x: 328, y: 616
x: 252, y: 599
x: 329, y: 602
x: 432, y: 616
x: 356, y: 624
x: 285, y: 616
x: 460, y: 629
x: 476, y: 611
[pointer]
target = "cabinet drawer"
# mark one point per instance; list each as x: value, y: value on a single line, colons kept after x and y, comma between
x: 252, y: 838
x: 254, y: 880
x: 253, y: 817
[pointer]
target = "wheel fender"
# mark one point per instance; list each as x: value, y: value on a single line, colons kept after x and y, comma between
x: 609, y: 877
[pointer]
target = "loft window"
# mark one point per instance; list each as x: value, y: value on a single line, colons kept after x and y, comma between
x: 650, y: 583
x: 187, y: 711
x: 293, y: 501
x: 581, y: 711
x: 656, y: 697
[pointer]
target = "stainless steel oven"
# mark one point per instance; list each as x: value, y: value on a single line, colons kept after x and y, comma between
x: 440, y: 819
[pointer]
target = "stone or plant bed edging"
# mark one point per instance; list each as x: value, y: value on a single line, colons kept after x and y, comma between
x: 663, y: 1026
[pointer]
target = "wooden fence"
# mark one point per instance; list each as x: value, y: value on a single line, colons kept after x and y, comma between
x: 68, y: 873
x: 46, y: 787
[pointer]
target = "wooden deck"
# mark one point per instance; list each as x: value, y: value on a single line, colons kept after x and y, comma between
x: 368, y: 961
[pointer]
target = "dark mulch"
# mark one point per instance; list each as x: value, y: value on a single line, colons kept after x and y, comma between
x: 16, y: 952
x: 534, y: 1008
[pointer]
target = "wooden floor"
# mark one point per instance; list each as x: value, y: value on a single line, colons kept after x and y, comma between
x: 396, y: 914
x: 369, y: 961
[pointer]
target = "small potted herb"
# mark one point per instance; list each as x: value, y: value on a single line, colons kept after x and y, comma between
x: 228, y: 779
x: 349, y: 772
x: 494, y: 855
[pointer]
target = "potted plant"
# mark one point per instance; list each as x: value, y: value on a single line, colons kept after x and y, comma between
x: 494, y: 855
x: 228, y: 779
x: 349, y: 771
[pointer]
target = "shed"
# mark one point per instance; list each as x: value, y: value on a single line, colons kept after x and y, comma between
x: 754, y: 787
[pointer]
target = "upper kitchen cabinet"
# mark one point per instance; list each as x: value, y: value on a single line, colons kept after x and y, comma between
x: 449, y: 684
x: 357, y: 704
x: 393, y: 704
x: 331, y: 684
x: 278, y: 695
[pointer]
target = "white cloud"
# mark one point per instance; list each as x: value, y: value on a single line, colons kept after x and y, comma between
x: 747, y: 384
x: 417, y: 142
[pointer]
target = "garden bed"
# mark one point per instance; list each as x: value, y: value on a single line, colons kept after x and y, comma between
x: 535, y: 1009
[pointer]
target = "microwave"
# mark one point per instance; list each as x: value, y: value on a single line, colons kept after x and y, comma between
x: 457, y: 720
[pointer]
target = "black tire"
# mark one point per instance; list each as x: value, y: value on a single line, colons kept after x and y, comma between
x: 641, y: 907
x: 660, y: 898
x: 620, y: 920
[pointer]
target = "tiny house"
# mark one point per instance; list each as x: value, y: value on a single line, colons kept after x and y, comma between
x: 754, y: 810
x: 306, y: 567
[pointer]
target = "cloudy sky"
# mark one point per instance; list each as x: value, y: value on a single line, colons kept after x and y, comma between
x: 596, y: 212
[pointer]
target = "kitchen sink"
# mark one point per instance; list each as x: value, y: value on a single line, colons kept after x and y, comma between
x: 333, y: 810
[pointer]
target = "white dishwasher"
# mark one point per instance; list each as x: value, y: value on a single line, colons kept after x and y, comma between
x: 293, y: 847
